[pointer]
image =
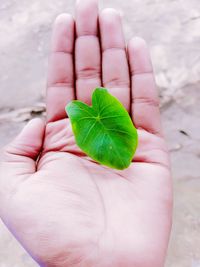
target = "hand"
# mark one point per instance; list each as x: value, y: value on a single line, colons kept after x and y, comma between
x: 65, y: 209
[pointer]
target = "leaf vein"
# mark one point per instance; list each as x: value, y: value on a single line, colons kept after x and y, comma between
x: 115, y: 116
x: 89, y: 132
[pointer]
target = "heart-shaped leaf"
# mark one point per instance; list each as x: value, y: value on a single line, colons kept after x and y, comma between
x: 104, y: 131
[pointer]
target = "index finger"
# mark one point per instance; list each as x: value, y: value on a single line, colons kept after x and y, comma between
x: 60, y: 84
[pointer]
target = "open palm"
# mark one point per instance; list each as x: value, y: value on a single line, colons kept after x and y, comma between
x: 65, y: 209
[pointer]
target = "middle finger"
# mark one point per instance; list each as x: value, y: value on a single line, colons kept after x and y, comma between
x: 87, y: 50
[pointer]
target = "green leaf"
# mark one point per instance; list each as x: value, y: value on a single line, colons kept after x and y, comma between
x: 104, y: 131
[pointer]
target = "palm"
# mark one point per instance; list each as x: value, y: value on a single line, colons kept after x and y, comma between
x: 73, y: 211
x: 91, y: 204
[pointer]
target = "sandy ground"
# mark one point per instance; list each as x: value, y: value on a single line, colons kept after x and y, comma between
x: 171, y: 27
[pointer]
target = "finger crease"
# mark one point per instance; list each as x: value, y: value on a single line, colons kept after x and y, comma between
x: 61, y: 85
x: 113, y: 49
x: 151, y: 131
x: 87, y: 35
x: 88, y: 73
x: 62, y: 52
x: 146, y: 101
x: 116, y: 82
x: 138, y: 73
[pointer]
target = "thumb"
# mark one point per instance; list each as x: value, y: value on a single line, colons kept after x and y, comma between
x: 25, y: 148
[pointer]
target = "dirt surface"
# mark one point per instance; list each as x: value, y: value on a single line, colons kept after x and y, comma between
x: 171, y: 28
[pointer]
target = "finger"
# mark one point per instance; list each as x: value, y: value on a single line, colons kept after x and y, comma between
x: 19, y: 157
x: 87, y: 50
x: 60, y: 87
x: 145, y: 101
x: 115, y: 69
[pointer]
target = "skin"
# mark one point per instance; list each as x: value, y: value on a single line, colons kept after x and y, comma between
x: 65, y: 209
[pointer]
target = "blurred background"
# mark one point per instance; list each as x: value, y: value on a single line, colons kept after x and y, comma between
x: 172, y: 30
